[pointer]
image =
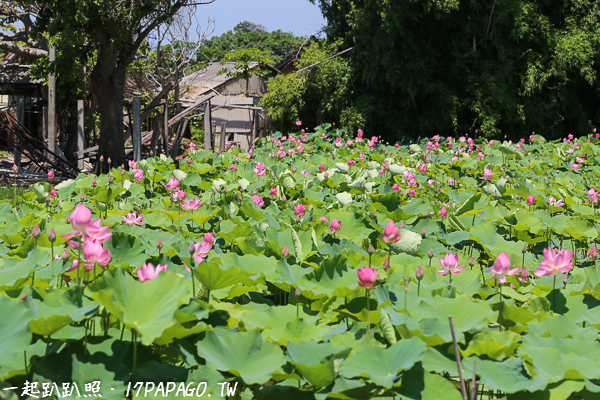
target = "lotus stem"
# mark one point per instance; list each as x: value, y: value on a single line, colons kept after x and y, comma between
x: 368, y: 310
x: 134, y: 334
x: 463, y: 387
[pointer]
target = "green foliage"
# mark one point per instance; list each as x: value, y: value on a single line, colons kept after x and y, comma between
x: 275, y: 302
x: 323, y: 90
x: 242, y: 59
x: 450, y: 67
x: 247, y: 35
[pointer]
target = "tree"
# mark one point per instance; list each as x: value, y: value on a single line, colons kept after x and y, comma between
x: 323, y: 90
x: 243, y: 59
x: 16, y: 23
x: 113, y: 31
x: 247, y: 35
x: 454, y: 66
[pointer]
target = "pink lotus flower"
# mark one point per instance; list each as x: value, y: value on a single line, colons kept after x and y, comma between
x: 147, y: 272
x: 178, y: 195
x: 138, y: 175
x: 391, y: 233
x: 201, y: 250
x: 593, y: 253
x: 530, y: 200
x: 321, y: 167
x: 52, y: 193
x: 286, y: 251
x: 323, y: 219
x: 523, y: 276
x: 192, y: 204
x: 335, y: 225
x: 208, y: 238
x: 396, y: 187
x: 95, y: 253
x: 50, y: 174
x: 299, y: 210
x: 501, y: 268
x: 555, y: 262
x: 80, y: 218
x: 133, y: 219
x: 593, y: 195
x: 350, y: 162
x: 258, y: 200
x: 488, y: 174
x: 95, y: 231
x: 443, y: 212
x: 172, y: 185
x: 450, y: 264
x: 273, y: 192
x: 367, y: 277
x: 298, y: 122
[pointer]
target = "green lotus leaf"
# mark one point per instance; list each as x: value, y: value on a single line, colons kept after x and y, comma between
x: 242, y: 354
x: 296, y: 329
x: 381, y: 366
x: 418, y: 384
x: 15, y: 334
x: 147, y: 307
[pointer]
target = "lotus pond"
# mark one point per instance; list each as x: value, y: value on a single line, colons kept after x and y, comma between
x: 316, y: 266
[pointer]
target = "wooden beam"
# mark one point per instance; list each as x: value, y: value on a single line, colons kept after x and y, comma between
x: 80, y: 131
x: 137, y: 129
x: 21, y: 119
x: 52, y: 107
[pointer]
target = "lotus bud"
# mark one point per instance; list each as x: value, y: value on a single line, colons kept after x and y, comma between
x: 52, y: 236
x: 286, y: 251
x: 430, y: 253
x: 386, y: 264
x: 15, y: 168
x: 419, y: 274
x: 36, y: 232
x: 192, y: 248
x: 50, y: 174
x: 423, y: 232
x: 471, y: 262
x: 524, y: 249
x: 94, y: 183
x: 593, y: 253
x: 406, y: 282
x: 65, y: 255
x: 566, y: 279
x: 297, y: 292
x: 402, y: 224
x: 101, y: 158
x: 370, y: 250
x: 512, y: 286
x: 159, y: 244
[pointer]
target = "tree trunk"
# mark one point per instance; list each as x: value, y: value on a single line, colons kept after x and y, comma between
x: 108, y: 87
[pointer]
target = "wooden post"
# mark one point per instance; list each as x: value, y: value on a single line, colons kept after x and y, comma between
x: 80, y: 132
x: 21, y: 119
x: 156, y: 135
x: 52, y: 107
x: 222, y: 137
x: 207, y: 127
x: 165, y: 130
x: 136, y: 138
x: 213, y: 131
x: 177, y: 143
x: 45, y: 125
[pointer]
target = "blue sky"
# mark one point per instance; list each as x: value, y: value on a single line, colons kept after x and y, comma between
x: 298, y: 16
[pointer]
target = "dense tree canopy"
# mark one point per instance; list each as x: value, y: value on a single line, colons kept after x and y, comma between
x: 247, y: 35
x: 454, y: 66
x: 321, y: 92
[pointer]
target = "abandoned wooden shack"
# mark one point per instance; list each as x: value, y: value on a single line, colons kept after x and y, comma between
x: 236, y: 101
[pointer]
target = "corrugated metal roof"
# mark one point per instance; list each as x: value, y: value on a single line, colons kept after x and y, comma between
x: 17, y: 74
